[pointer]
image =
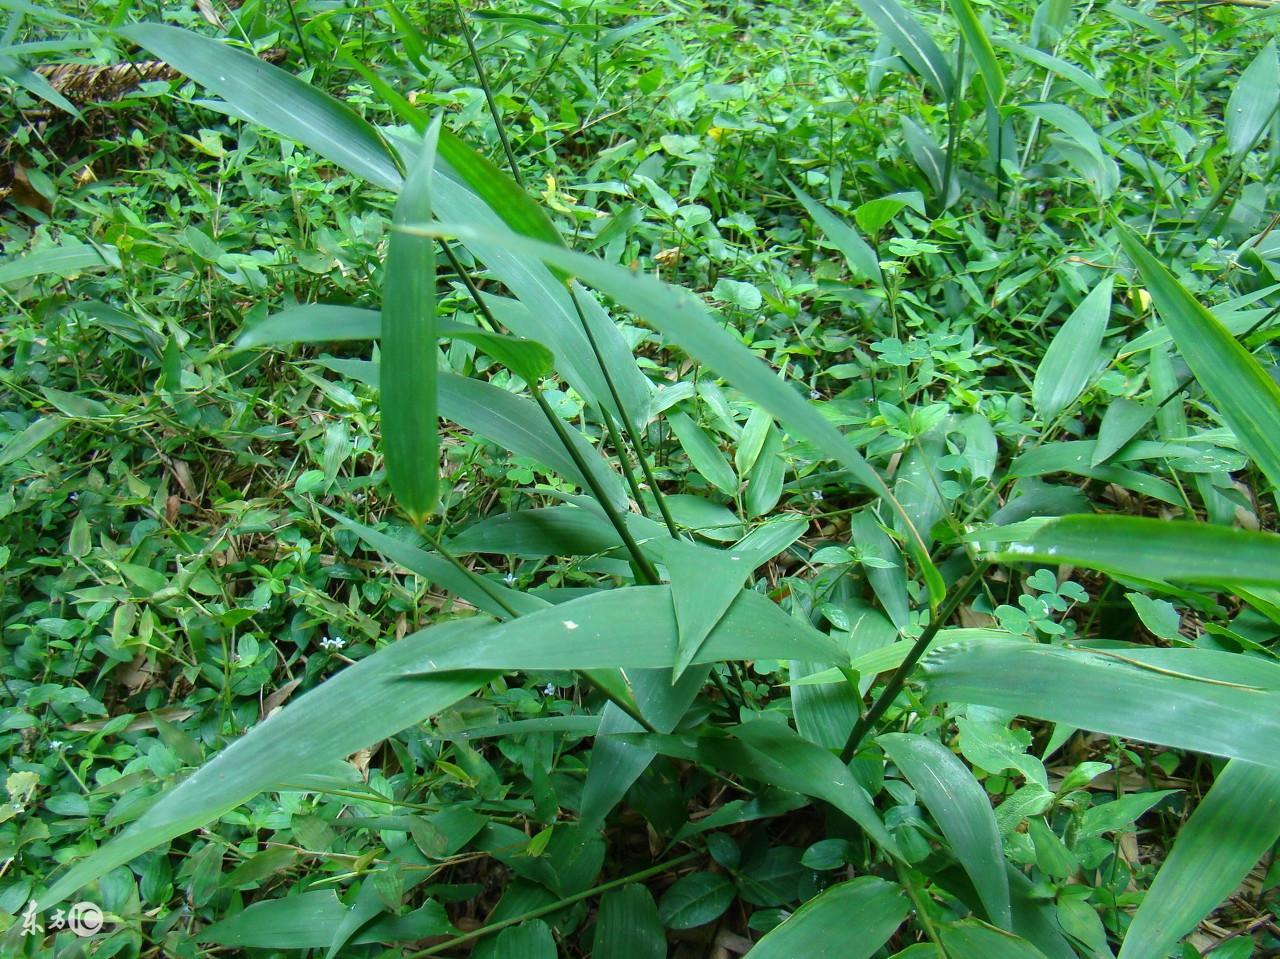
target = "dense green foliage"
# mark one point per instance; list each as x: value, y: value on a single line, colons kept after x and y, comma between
x: 838, y: 517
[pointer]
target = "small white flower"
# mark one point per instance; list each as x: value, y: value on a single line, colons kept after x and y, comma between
x: 570, y: 624
x: 816, y: 494
x: 509, y: 579
x: 337, y: 642
x: 74, y: 497
x: 57, y: 745
x: 815, y: 395
x: 549, y: 690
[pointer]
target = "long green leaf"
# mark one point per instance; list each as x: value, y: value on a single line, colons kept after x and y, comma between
x: 1068, y: 71
x: 626, y: 628
x: 773, y: 753
x: 912, y: 42
x: 63, y: 261
x: 32, y: 438
x: 434, y: 568
x: 1234, y: 825
x: 703, y: 453
x: 309, y: 920
x: 857, y: 252
x: 633, y: 628
x: 1073, y: 355
x: 960, y: 806
x: 850, y: 920
x: 1253, y: 101
x: 1217, y: 703
x: 410, y: 439
x: 1143, y: 548
x: 971, y: 939
x: 980, y: 47
x: 330, y: 722
x: 1246, y: 397
x: 628, y: 927
x: 267, y: 95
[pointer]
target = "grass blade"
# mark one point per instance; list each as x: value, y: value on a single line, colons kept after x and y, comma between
x: 1234, y: 825
x: 1072, y: 357
x: 960, y: 806
x: 857, y: 252
x: 1253, y: 101
x: 703, y: 453
x: 32, y: 438
x: 328, y: 723
x: 512, y: 421
x: 980, y: 46
x: 1217, y: 703
x: 850, y: 920
x: 410, y: 441
x: 1143, y: 548
x: 1246, y: 397
x: 912, y: 42
x: 64, y: 261
x: 275, y: 99
x: 773, y: 753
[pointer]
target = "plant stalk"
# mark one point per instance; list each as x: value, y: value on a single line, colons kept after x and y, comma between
x: 899, y: 677
x: 488, y: 94
x: 640, y: 876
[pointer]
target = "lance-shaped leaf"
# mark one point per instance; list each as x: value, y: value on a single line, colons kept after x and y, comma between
x: 912, y: 43
x: 1148, y: 549
x: 857, y: 252
x: 1246, y: 397
x: 424, y: 673
x: 512, y: 421
x: 1253, y: 101
x: 1073, y: 354
x: 1218, y: 703
x: 850, y: 920
x: 774, y: 753
x: 410, y: 441
x: 267, y: 95
x: 1234, y: 825
x: 980, y: 47
x: 328, y: 723
x: 960, y: 807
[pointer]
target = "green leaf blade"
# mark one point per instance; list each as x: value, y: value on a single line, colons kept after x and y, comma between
x: 408, y: 375
x: 275, y: 99
x: 850, y: 920
x: 1247, y: 398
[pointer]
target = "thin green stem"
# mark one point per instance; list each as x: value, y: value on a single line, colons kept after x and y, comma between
x: 644, y: 567
x: 645, y: 570
x: 627, y: 472
x: 488, y: 930
x: 488, y: 94
x: 899, y: 677
x: 471, y: 574
x: 953, y: 129
x: 636, y: 446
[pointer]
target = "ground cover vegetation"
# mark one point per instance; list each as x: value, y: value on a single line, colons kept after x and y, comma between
x: 567, y: 478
